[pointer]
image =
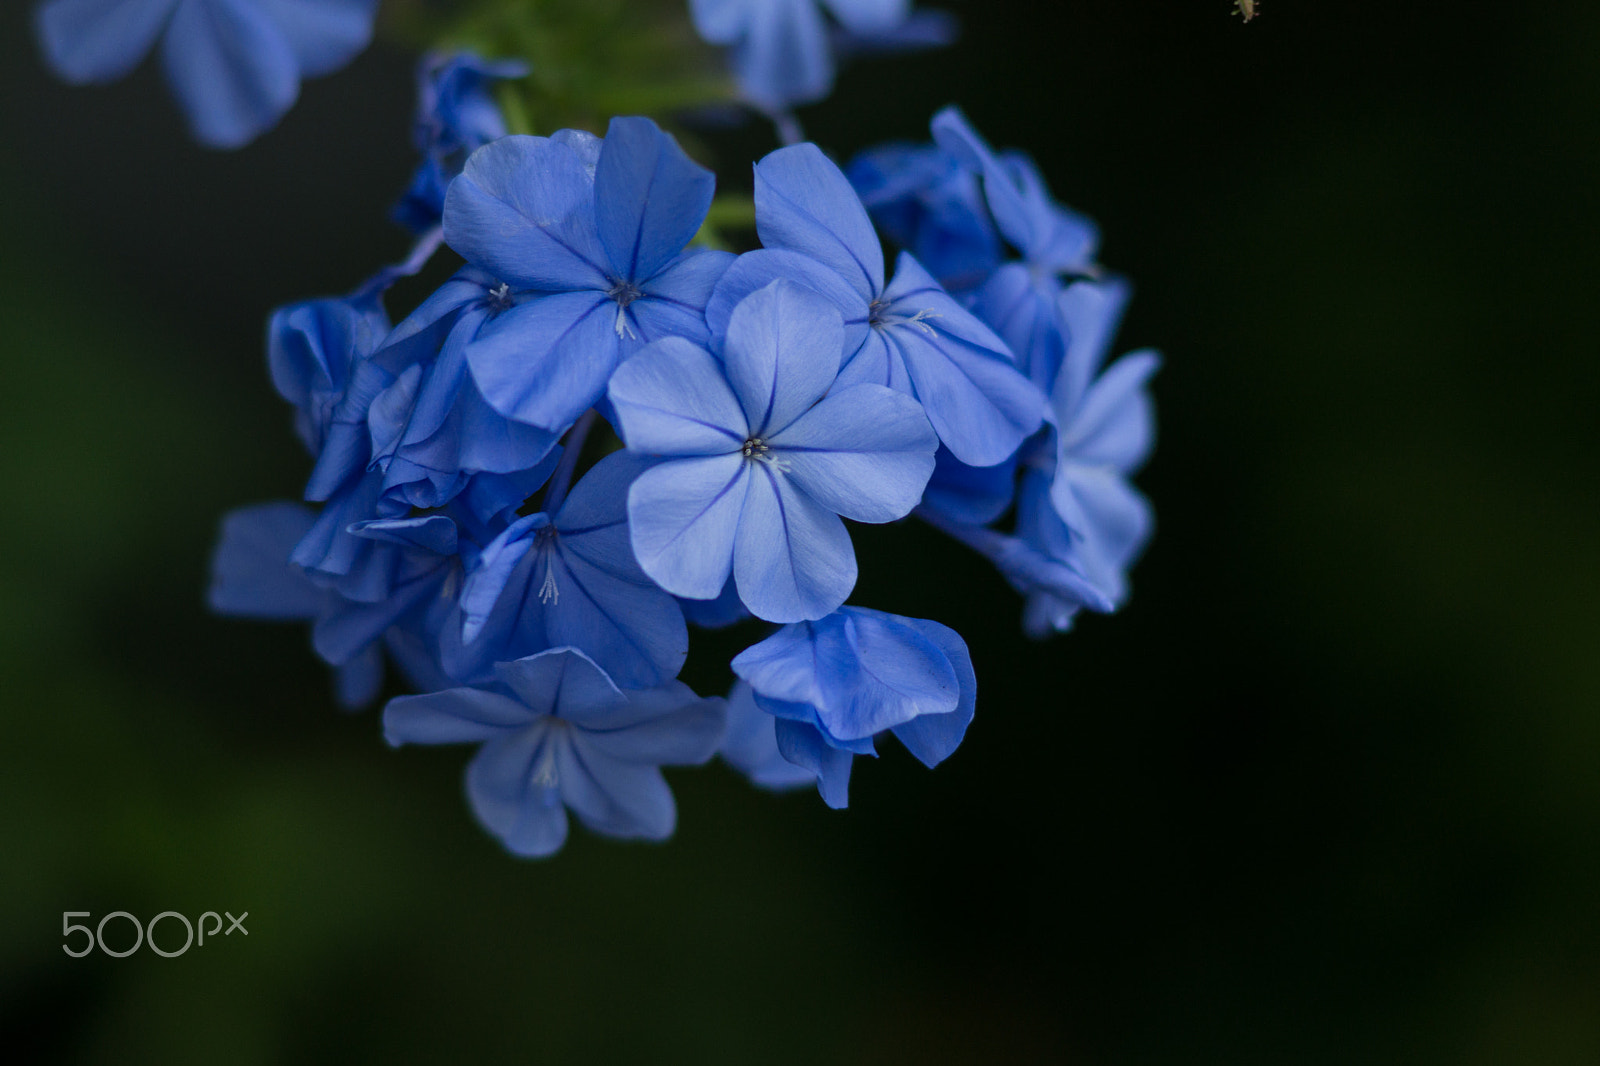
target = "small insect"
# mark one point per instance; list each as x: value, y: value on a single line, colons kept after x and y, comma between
x: 1246, y: 8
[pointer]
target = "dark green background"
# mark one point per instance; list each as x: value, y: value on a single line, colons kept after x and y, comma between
x: 1327, y: 791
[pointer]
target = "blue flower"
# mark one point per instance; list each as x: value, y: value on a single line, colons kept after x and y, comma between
x: 455, y: 116
x: 783, y: 54
x: 837, y: 683
x: 909, y: 335
x: 927, y: 202
x: 600, y: 231
x: 1019, y: 300
x: 251, y: 577
x: 234, y: 65
x: 765, y: 451
x: 558, y: 735
x: 566, y: 577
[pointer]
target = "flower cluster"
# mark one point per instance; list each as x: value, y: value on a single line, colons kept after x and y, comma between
x: 605, y: 429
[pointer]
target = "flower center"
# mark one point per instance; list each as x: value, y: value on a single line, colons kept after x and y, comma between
x: 756, y: 448
x: 624, y: 292
x: 500, y: 298
x: 881, y: 315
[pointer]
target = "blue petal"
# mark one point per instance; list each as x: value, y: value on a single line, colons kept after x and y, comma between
x: 684, y: 516
x: 523, y: 209
x: 1089, y: 313
x: 782, y: 667
x: 673, y: 302
x: 804, y: 746
x: 877, y: 672
x: 792, y: 557
x: 784, y: 58
x: 981, y: 407
x: 562, y: 682
x: 649, y: 197
x: 506, y: 788
x: 455, y: 716
x: 751, y: 744
x: 865, y: 452
x: 719, y: 613
x: 358, y: 682
x: 546, y: 361
x: 619, y: 799
x: 781, y: 354
x: 665, y: 726
x: 805, y: 204
x: 932, y: 737
x: 324, y: 34
x: 673, y: 399
x: 99, y: 40
x: 720, y: 21
x: 250, y: 570
x: 1022, y: 307
x: 876, y: 362
x: 485, y: 585
x: 635, y: 632
x: 231, y: 69
x: 869, y: 16
x: 974, y: 495
x: 758, y: 269
x: 1114, y: 426
x: 1110, y: 519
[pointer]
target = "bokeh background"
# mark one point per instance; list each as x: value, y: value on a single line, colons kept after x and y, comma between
x: 1327, y: 791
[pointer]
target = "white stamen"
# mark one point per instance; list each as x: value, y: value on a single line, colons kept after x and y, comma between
x: 545, y: 775
x: 623, y: 329
x: 548, y: 592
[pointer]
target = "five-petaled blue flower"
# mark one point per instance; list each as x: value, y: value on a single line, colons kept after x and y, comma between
x: 234, y: 65
x: 765, y: 452
x: 598, y: 231
x: 909, y: 335
x: 558, y: 735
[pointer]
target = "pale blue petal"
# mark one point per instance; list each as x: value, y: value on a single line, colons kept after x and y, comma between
x: 932, y: 737
x: 804, y: 746
x: 619, y: 799
x: 250, y: 570
x: 634, y: 632
x: 684, y: 516
x: 1089, y: 313
x: 99, y: 40
x: 784, y: 57
x: 1115, y: 425
x: 878, y: 672
x: 523, y: 209
x: 672, y: 398
x: 719, y: 21
x: 781, y: 354
x: 561, y: 681
x: 649, y: 197
x: 805, y: 204
x: 455, y: 716
x: 865, y: 452
x: 525, y: 813
x: 869, y: 16
x: 751, y: 744
x: 487, y: 581
x: 758, y: 269
x: 782, y: 667
x: 231, y: 69
x: 680, y: 729
x: 876, y: 362
x: 546, y: 361
x: 324, y: 34
x: 792, y: 557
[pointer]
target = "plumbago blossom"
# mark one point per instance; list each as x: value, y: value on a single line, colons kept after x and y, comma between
x: 234, y: 65
x: 785, y: 52
x: 599, y: 434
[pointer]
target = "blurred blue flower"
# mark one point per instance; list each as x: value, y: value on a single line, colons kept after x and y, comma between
x: 751, y: 744
x: 234, y: 65
x: 599, y: 229
x: 566, y: 577
x: 456, y: 115
x: 909, y: 335
x: 836, y: 683
x: 558, y: 735
x: 784, y: 51
x: 924, y: 200
x: 765, y: 450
